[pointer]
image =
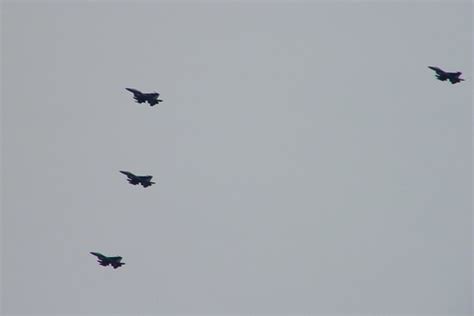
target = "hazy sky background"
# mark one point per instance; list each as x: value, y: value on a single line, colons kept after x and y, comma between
x: 307, y: 160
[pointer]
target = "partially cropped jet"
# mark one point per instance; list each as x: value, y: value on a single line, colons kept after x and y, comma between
x: 453, y: 77
x: 145, y: 181
x: 151, y: 98
x: 105, y: 261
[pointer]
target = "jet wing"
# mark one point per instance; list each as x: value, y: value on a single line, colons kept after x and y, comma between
x: 153, y: 95
x: 128, y: 174
x: 134, y: 91
x: 99, y: 255
x: 115, y: 259
x: 439, y: 71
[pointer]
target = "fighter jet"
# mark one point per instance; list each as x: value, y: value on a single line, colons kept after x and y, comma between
x: 151, y: 98
x: 453, y: 77
x: 105, y: 261
x: 145, y: 181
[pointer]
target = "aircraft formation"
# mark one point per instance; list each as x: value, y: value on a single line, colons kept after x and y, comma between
x: 145, y: 181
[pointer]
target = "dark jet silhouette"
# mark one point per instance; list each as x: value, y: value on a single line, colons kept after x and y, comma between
x: 105, y: 261
x: 443, y: 75
x: 151, y: 98
x: 145, y: 181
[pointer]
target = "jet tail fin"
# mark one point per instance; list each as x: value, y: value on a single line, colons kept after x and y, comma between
x: 118, y: 264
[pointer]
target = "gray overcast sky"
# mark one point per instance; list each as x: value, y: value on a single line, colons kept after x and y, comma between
x: 307, y: 160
